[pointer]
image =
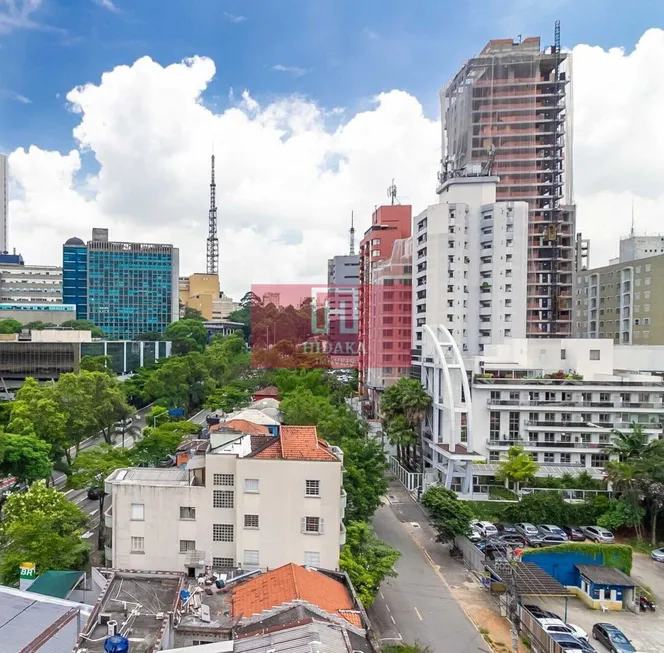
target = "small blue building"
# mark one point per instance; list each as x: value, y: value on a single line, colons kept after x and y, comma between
x: 605, y: 586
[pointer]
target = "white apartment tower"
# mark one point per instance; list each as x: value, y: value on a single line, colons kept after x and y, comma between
x: 470, y: 265
x: 4, y: 199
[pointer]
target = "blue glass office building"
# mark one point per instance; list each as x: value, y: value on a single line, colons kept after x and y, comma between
x: 131, y: 288
x: 75, y: 276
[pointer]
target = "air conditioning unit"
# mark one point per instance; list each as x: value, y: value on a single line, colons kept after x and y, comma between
x: 104, y: 618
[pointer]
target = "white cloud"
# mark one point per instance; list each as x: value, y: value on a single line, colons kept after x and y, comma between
x: 17, y: 14
x: 234, y: 18
x: 17, y: 97
x: 291, y: 70
x: 106, y: 4
x: 370, y: 34
x: 287, y: 180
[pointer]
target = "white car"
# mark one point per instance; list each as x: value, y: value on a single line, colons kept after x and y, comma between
x: 558, y: 626
x: 485, y: 528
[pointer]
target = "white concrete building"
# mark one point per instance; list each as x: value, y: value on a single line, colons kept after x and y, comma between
x: 4, y: 200
x: 250, y: 501
x: 30, y: 283
x: 559, y: 399
x: 470, y: 265
x: 633, y: 248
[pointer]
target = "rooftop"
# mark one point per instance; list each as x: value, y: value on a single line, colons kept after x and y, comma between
x: 139, y: 602
x: 255, y: 416
x: 269, y: 391
x: 291, y: 583
x: 245, y: 426
x: 530, y: 579
x: 56, y: 583
x: 296, y: 443
x: 605, y: 575
x: 41, y: 624
x: 268, y: 402
x: 149, y: 476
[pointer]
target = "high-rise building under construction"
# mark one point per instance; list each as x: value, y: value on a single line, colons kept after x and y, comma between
x: 507, y: 113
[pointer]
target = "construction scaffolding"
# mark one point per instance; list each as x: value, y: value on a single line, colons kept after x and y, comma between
x: 505, y: 112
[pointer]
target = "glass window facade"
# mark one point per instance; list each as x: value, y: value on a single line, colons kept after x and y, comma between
x: 75, y: 278
x: 126, y: 354
x: 130, y: 288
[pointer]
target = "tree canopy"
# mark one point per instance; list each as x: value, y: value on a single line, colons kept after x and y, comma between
x: 451, y: 517
x: 187, y: 335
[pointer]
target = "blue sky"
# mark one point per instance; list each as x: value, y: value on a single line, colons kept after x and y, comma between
x: 338, y: 52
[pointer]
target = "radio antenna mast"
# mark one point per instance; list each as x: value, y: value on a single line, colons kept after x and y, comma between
x: 352, y: 234
x: 212, y: 240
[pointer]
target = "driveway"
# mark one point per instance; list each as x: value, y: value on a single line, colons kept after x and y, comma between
x: 645, y: 570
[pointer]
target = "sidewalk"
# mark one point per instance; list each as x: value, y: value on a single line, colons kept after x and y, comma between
x: 480, y: 608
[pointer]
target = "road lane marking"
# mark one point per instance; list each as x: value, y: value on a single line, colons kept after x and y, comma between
x: 69, y: 492
x: 417, y: 612
x: 388, y: 607
x: 394, y: 622
x: 381, y: 596
x: 94, y: 512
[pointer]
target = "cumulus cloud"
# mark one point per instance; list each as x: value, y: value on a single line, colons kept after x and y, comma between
x: 288, y: 174
x: 286, y: 181
x: 296, y: 71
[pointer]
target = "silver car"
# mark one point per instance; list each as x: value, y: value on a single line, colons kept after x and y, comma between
x: 527, y: 530
x: 599, y: 534
x: 657, y: 555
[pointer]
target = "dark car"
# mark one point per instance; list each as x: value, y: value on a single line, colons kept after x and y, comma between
x: 505, y: 528
x: 574, y: 533
x: 545, y: 540
x: 613, y: 638
x: 94, y: 492
x: 571, y: 643
x: 513, y: 539
x: 540, y: 613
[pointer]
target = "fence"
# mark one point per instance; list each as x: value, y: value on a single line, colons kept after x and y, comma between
x: 540, y: 640
x: 473, y: 558
x: 412, y: 481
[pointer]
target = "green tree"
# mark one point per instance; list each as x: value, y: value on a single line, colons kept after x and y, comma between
x: 517, y: 468
x: 43, y: 527
x: 10, y: 326
x: 192, y: 314
x: 227, y: 398
x: 622, y: 513
x: 630, y: 445
x: 83, y: 325
x: 149, y: 336
x: 400, y: 434
x: 367, y: 560
x: 407, y: 648
x: 157, y: 416
x: 451, y: 517
x: 155, y: 446
x: 24, y: 456
x: 38, y: 325
x: 96, y: 364
x: 186, y: 336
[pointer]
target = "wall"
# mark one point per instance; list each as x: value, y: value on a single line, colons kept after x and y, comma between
x: 561, y: 565
x: 199, y: 291
x: 27, y: 312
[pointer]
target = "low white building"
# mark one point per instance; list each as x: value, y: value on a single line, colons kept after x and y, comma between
x: 559, y: 399
x: 250, y: 501
x: 470, y: 265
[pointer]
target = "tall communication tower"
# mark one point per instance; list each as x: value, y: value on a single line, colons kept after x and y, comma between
x: 352, y: 234
x: 212, y: 240
x: 392, y: 194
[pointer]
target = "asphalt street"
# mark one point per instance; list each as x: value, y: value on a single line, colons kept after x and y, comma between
x: 416, y: 605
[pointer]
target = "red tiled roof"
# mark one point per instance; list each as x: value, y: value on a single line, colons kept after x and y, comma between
x: 293, y: 583
x: 296, y: 443
x: 270, y: 391
x: 245, y: 426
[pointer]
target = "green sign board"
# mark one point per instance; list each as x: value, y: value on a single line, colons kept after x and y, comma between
x: 27, y: 570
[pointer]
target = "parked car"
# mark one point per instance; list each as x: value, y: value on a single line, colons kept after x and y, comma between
x: 599, y: 534
x: 94, y: 492
x: 571, y: 644
x: 545, y: 540
x: 658, y: 555
x: 503, y: 527
x: 551, y: 529
x: 513, y: 539
x: 613, y: 638
x: 558, y: 626
x: 540, y: 613
x: 474, y: 535
x: 485, y: 528
x: 574, y: 533
x: 526, y: 529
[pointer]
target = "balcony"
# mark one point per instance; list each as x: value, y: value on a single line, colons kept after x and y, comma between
x: 555, y: 444
x: 620, y: 405
x: 108, y: 555
x: 342, y: 534
x: 343, y: 501
x: 576, y: 425
x: 108, y: 517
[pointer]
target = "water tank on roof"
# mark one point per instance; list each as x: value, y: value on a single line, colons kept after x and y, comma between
x: 116, y: 644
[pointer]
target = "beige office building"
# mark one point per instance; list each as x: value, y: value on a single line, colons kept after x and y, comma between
x: 623, y: 301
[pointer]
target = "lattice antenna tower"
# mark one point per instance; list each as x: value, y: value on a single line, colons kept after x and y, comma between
x: 352, y: 234
x: 212, y: 240
x: 392, y: 194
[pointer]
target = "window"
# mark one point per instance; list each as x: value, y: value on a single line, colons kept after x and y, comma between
x: 222, y: 532
x: 223, y: 479
x: 187, y: 512
x: 594, y: 354
x: 137, y: 512
x: 251, y: 521
x: 224, y: 563
x: 311, y: 559
x: 200, y: 642
x: 312, y: 488
x: 222, y: 499
x: 646, y: 308
x: 138, y: 545
x: 563, y: 354
x: 514, y: 425
x: 494, y: 425
x: 251, y: 485
x: 187, y: 545
x: 565, y: 458
x: 312, y: 525
x: 250, y: 557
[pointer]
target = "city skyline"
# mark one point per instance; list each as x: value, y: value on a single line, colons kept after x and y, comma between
x: 288, y: 148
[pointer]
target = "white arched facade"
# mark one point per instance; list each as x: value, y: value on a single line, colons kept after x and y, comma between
x: 447, y: 430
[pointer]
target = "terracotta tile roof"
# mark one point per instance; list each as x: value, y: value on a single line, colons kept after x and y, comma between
x: 296, y: 443
x: 245, y: 426
x: 270, y: 391
x: 293, y: 583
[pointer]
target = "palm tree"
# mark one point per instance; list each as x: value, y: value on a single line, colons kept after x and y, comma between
x: 518, y: 467
x: 630, y: 445
x: 400, y: 434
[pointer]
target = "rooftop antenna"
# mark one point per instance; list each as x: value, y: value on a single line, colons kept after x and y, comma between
x: 352, y: 234
x: 631, y: 231
x: 212, y: 240
x: 392, y: 193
